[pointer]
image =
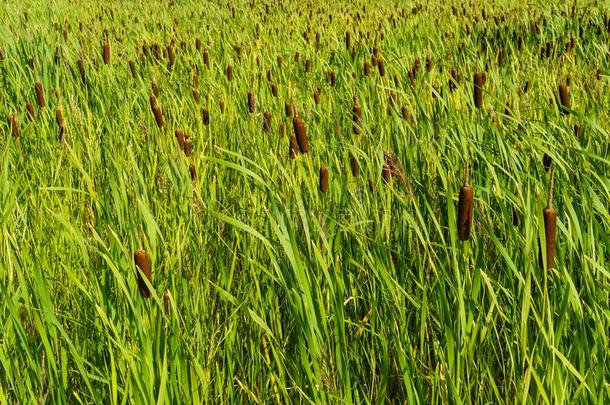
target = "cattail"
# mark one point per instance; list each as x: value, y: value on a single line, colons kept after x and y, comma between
x: 455, y: 79
x: 154, y: 88
x: 30, y: 109
x: 294, y: 147
x: 267, y: 121
x: 274, y: 89
x: 316, y: 95
x: 323, y: 179
x: 367, y: 68
x: 405, y: 113
x: 206, y: 116
x: 188, y: 145
x: 465, y: 207
x: 206, y: 58
x: 221, y: 106
x: 196, y: 95
x: 308, y: 65
x: 282, y: 129
x: 550, y: 224
x: 577, y: 130
x: 297, y: 57
x: 348, y: 40
x: 167, y: 302
x: 429, y: 64
x: 564, y: 98
x: 278, y: 59
x: 251, y: 103
x: 157, y: 112
x: 13, y: 125
x: 81, y: 68
x: 357, y: 118
x: 198, y: 43
x: 106, y: 48
x: 288, y: 108
x: 132, y: 67
x: 180, y: 137
x: 39, y: 94
x: 143, y: 265
x: 301, y: 133
x: 354, y: 166
x: 229, y: 72
x: 193, y: 172
x: 381, y: 67
x: 479, y: 80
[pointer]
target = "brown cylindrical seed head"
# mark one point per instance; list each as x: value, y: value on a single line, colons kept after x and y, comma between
x: 367, y: 68
x: 180, y: 137
x: 206, y: 58
x: 301, y: 133
x: 143, y: 265
x: 550, y: 230
x: 157, y: 112
x: 206, y: 116
x: 405, y: 113
x: 229, y: 72
x: 13, y: 125
x: 478, y: 89
x: 30, y: 108
x: 39, y: 94
x: 316, y: 95
x: 381, y: 67
x: 267, y: 121
x: 106, y: 51
x: 354, y: 166
x: 564, y: 98
x: 251, y: 103
x: 323, y: 179
x: 546, y: 161
x: 465, y: 206
x: 288, y: 109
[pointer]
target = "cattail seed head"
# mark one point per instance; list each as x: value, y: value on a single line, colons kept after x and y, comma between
x: 288, y: 109
x: 157, y: 112
x: 301, y: 133
x: 30, y: 109
x: 106, y: 51
x: 405, y: 113
x: 316, y: 95
x: 323, y: 179
x: 81, y: 69
x: 196, y: 96
x: 367, y: 68
x: 355, y: 167
x: 465, y: 208
x: 550, y: 231
x: 229, y: 72
x: 180, y: 138
x: 308, y: 65
x: 267, y: 121
x: 479, y: 80
x: 274, y: 90
x: 546, y: 161
x: 251, y: 103
x: 170, y: 56
x: 331, y: 77
x: 564, y: 98
x: 188, y: 145
x: 13, y: 124
x: 381, y: 67
x: 206, y: 116
x: 143, y: 266
x: 206, y: 58
x: 39, y: 94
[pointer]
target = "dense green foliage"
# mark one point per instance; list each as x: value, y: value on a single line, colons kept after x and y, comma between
x: 264, y: 289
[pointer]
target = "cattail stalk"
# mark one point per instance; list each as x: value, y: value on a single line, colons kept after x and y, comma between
x: 550, y: 223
